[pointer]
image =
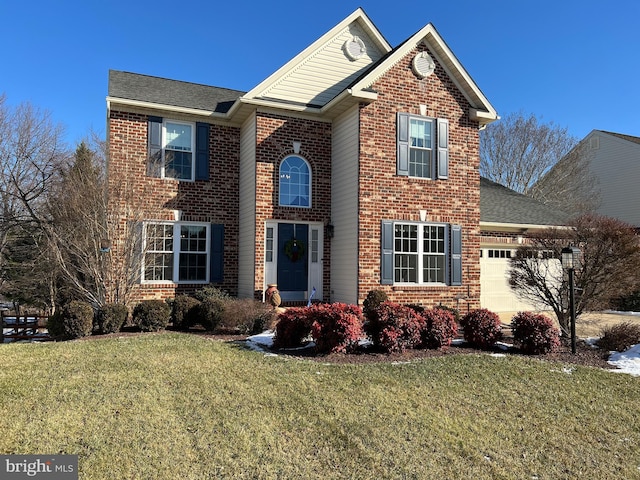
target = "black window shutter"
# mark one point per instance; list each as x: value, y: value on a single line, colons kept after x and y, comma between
x: 386, y: 263
x: 456, y: 255
x: 202, y: 151
x: 402, y: 167
x: 154, y: 163
x: 217, y: 253
x: 443, y: 148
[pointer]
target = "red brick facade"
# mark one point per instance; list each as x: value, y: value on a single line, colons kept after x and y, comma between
x: 384, y: 195
x: 214, y: 201
x: 275, y: 135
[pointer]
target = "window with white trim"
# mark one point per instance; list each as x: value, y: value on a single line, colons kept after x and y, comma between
x: 423, y: 146
x: 176, y: 252
x: 419, y: 253
x: 178, y: 150
x: 295, y: 182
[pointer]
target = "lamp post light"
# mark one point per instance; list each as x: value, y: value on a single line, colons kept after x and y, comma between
x: 571, y: 262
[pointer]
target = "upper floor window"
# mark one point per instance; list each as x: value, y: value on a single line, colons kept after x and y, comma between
x: 423, y: 146
x: 178, y: 150
x: 295, y: 182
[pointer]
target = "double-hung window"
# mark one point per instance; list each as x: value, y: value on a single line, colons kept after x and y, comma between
x: 421, y: 253
x: 423, y: 146
x: 178, y: 150
x: 182, y: 252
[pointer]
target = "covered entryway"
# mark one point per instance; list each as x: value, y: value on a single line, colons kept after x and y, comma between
x: 293, y: 259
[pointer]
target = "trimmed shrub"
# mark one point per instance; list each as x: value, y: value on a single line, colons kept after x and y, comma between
x: 336, y: 327
x: 534, y: 333
x: 440, y: 328
x: 620, y: 337
x: 111, y: 317
x: 184, y: 312
x: 208, y: 312
x: 151, y: 315
x: 372, y: 302
x: 394, y: 327
x: 481, y: 328
x: 73, y: 320
x: 246, y: 315
x: 454, y: 311
x: 211, y: 292
x: 293, y: 326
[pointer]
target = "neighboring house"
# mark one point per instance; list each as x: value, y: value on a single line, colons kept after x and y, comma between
x: 507, y: 220
x: 353, y: 167
x: 611, y: 161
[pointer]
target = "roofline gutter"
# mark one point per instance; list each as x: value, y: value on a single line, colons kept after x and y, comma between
x: 170, y: 108
x: 520, y: 226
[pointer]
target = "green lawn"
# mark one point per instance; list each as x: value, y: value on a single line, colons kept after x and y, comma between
x: 174, y: 406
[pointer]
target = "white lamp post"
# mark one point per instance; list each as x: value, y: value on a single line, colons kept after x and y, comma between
x: 571, y: 262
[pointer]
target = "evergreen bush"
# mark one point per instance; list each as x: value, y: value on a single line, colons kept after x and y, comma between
x: 111, y: 317
x: 534, y: 333
x: 151, y: 315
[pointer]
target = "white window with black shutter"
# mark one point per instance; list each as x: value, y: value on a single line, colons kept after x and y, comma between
x: 182, y: 252
x: 423, y: 146
x: 419, y: 253
x: 178, y: 150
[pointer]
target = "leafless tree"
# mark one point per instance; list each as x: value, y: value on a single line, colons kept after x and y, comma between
x: 518, y: 150
x: 610, y: 262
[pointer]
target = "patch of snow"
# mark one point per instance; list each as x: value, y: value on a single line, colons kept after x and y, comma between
x: 627, y: 361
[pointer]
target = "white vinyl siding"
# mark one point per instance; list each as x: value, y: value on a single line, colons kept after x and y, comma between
x: 247, y: 213
x: 616, y: 165
x: 344, y: 208
x: 324, y: 73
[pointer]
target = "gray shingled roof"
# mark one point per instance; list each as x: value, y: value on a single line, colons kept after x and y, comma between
x: 499, y: 204
x: 144, y: 88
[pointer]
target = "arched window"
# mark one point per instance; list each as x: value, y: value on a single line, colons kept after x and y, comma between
x: 295, y: 182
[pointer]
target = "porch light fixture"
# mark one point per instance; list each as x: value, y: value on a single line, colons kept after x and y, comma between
x: 330, y: 231
x: 570, y: 257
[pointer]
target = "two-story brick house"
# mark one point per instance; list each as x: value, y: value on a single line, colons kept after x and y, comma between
x: 353, y: 167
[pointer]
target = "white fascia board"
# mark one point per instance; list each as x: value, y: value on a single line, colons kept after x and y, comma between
x: 356, y: 16
x: 168, y: 108
x: 522, y: 227
x: 449, y: 62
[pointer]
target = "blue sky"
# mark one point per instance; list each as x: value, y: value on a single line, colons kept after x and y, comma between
x: 574, y: 63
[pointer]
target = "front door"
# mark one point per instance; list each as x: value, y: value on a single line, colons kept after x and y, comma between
x: 293, y: 265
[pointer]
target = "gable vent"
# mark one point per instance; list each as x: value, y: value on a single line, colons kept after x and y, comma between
x: 354, y: 48
x: 423, y: 65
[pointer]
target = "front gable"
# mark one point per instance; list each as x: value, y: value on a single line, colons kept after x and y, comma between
x: 324, y: 69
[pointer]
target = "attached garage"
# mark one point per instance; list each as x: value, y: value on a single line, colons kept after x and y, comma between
x: 507, y: 220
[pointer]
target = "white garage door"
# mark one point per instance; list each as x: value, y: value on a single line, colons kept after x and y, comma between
x: 495, y: 293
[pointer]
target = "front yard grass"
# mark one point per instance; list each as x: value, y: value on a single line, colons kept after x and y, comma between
x: 169, y: 405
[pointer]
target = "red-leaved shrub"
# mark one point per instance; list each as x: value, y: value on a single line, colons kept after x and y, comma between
x: 534, y: 333
x: 440, y: 328
x: 395, y: 328
x: 293, y: 326
x: 336, y: 327
x: 481, y: 328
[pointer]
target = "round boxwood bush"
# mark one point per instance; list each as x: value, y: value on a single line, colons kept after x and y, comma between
x: 151, y: 315
x: 184, y: 312
x: 111, y: 317
x: 208, y: 313
x: 73, y: 320
x: 372, y: 302
x: 481, y: 328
